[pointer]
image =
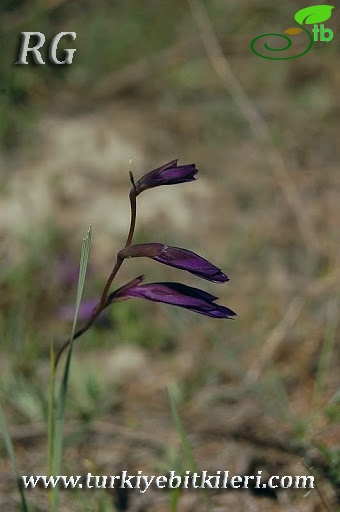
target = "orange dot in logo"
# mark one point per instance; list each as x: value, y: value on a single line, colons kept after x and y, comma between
x: 292, y: 31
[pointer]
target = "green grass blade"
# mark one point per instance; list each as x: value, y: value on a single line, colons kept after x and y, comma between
x: 11, y: 453
x: 325, y: 354
x: 50, y: 414
x: 186, y: 449
x: 174, y: 498
x: 84, y: 258
x: 59, y: 417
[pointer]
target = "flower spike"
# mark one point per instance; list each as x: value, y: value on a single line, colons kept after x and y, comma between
x: 176, y: 294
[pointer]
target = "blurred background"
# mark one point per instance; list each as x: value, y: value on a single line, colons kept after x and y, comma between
x: 151, y: 82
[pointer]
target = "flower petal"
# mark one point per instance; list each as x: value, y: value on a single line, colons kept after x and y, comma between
x: 167, y: 174
x: 178, y: 294
x: 193, y: 263
x: 178, y: 258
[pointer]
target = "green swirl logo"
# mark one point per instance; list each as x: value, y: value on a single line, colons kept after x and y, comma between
x: 309, y: 16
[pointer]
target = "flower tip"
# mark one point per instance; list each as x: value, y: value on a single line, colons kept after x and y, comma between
x: 224, y: 312
x: 220, y: 277
x: 168, y: 174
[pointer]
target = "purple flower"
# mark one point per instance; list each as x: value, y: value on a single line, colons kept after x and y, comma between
x: 178, y: 258
x: 67, y: 272
x: 176, y: 294
x: 85, y: 311
x: 167, y: 174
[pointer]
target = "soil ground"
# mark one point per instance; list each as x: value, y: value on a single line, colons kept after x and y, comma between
x: 259, y: 393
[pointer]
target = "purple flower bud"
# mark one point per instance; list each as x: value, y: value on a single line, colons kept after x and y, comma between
x: 168, y: 174
x: 178, y: 258
x: 177, y: 294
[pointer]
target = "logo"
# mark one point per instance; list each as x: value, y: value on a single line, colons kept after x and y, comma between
x: 35, y: 50
x: 314, y: 15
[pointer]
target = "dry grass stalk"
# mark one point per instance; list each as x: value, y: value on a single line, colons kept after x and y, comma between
x: 222, y: 68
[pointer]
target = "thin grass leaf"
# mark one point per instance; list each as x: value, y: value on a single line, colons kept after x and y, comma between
x: 50, y: 412
x: 324, y: 363
x: 174, y: 498
x: 186, y: 448
x: 84, y: 258
x: 325, y: 354
x: 58, y: 434
x: 11, y: 453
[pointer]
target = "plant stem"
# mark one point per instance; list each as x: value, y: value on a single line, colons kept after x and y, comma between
x: 103, y: 300
x: 119, y: 260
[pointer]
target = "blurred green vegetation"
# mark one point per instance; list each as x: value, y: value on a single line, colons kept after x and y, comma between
x: 109, y: 34
x: 258, y: 240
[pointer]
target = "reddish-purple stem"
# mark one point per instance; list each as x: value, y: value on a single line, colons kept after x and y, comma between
x: 103, y: 300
